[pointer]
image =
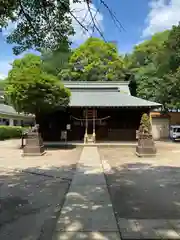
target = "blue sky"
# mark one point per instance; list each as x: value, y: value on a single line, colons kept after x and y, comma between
x: 140, y: 19
x: 132, y: 15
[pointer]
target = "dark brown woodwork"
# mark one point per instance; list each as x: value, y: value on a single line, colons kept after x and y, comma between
x: 121, y: 126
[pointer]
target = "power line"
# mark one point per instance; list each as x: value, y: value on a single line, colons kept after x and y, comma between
x: 63, y: 3
x: 95, y: 26
x: 113, y: 16
x: 97, y: 11
x: 93, y: 21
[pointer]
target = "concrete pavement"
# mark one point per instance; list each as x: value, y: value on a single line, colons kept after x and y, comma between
x: 87, y: 212
x: 32, y: 192
x: 135, y: 199
x: 144, y: 192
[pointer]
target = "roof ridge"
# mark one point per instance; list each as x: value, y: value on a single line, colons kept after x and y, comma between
x: 109, y: 83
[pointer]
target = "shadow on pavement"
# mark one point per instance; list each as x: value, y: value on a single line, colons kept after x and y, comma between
x: 31, y: 199
x: 146, y: 198
x: 31, y: 202
x: 142, y: 191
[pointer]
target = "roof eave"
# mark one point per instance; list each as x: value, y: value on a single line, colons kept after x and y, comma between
x: 128, y: 106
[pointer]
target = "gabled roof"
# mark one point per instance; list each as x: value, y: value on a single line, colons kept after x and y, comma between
x: 104, y: 94
x: 10, y: 111
x: 6, y: 109
x: 113, y: 86
x: 107, y: 99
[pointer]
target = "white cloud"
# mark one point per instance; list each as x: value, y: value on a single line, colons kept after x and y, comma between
x: 5, y: 66
x: 2, y: 76
x: 80, y: 10
x: 11, y: 26
x: 163, y: 15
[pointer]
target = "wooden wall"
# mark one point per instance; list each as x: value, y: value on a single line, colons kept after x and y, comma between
x: 121, y: 126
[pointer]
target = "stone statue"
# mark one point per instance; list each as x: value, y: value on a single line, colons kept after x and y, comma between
x: 34, y: 143
x: 146, y: 146
x: 35, y: 128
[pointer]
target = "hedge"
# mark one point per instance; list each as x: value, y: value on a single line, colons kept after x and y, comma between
x: 9, y: 132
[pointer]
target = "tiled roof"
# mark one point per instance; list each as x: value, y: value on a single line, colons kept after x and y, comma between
x: 107, y: 99
x: 104, y: 94
x: 9, y: 110
x: 113, y: 86
x: 96, y: 94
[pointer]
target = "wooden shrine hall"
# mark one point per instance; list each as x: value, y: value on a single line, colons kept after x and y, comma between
x: 98, y: 111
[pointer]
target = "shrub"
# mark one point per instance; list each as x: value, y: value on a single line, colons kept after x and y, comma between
x: 9, y: 132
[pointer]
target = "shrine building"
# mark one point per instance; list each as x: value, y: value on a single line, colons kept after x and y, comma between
x: 98, y: 111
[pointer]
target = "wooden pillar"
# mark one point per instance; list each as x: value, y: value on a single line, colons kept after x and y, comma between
x: 86, y: 121
x: 86, y: 127
x: 150, y: 118
x: 94, y: 125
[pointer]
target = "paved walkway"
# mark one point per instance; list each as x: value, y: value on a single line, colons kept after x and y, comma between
x: 144, y: 192
x: 87, y: 212
x: 33, y: 193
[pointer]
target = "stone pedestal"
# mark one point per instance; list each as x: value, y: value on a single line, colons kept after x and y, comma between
x: 85, y: 138
x: 89, y: 138
x: 146, y: 146
x: 34, y: 145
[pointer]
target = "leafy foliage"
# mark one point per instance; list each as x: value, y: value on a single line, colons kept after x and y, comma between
x: 155, y: 67
x: 2, y: 84
x: 94, y: 60
x: 54, y: 61
x: 172, y: 49
x: 31, y: 90
x: 9, y: 132
x: 148, y: 51
x: 169, y: 90
x: 41, y: 24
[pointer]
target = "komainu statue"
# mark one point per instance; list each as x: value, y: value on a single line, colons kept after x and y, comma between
x: 34, y: 143
x: 146, y: 145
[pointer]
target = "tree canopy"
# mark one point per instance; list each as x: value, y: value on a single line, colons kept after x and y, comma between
x: 41, y: 24
x: 31, y: 90
x: 2, y: 85
x: 54, y: 61
x: 94, y: 60
x: 155, y: 66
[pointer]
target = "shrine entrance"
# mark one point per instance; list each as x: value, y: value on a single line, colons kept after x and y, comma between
x: 90, y: 123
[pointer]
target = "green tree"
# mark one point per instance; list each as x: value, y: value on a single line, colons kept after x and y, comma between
x: 169, y: 90
x: 94, y: 60
x: 143, y: 66
x: 155, y: 66
x: 148, y: 51
x: 149, y: 65
x: 2, y: 84
x: 31, y: 90
x: 171, y: 57
x: 41, y: 24
x: 54, y: 61
x: 147, y: 82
